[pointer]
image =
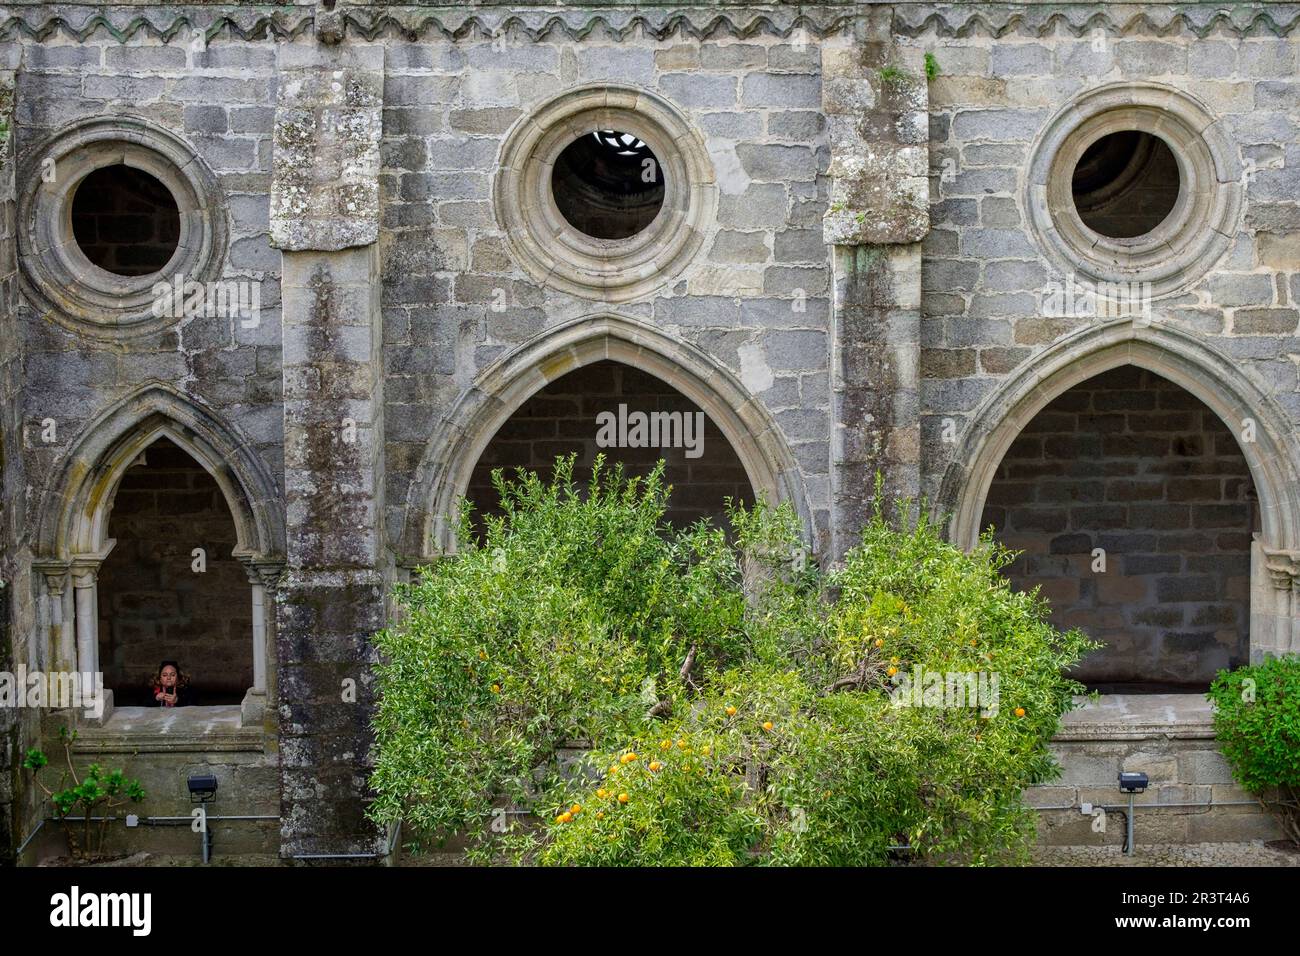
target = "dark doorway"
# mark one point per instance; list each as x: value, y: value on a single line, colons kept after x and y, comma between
x: 562, y: 419
x: 1134, y: 465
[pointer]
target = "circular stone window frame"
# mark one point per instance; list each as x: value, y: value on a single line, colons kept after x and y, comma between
x: 58, y: 277
x: 1195, y: 234
x: 560, y: 256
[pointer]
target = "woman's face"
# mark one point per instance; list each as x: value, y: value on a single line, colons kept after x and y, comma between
x: 169, y: 676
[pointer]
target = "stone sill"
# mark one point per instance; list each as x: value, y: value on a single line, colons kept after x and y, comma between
x: 1139, y: 717
x: 218, y: 729
x: 167, y: 730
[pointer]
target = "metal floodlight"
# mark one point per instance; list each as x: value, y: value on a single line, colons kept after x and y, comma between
x: 202, y: 786
x: 1133, y: 782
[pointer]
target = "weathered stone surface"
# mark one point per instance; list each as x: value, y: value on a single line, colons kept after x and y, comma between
x: 354, y: 163
x: 328, y: 123
x: 879, y: 186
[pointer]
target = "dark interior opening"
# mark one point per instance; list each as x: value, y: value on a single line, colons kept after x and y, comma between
x: 125, y: 221
x: 1125, y: 184
x: 153, y: 604
x: 608, y: 184
x: 562, y: 419
x: 1134, y: 510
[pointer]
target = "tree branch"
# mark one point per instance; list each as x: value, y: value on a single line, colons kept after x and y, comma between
x: 854, y: 680
x: 685, y: 672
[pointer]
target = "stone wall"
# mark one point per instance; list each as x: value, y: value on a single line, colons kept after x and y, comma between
x: 351, y: 158
x: 218, y: 99
x: 756, y: 300
x: 202, y: 740
x: 1190, y: 798
x: 15, y: 609
x: 984, y: 275
x: 1135, y: 466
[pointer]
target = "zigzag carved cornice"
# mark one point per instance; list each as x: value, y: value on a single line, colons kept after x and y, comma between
x: 1078, y: 19
x: 665, y: 19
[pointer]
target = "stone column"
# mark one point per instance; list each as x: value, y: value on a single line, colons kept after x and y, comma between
x: 1281, y: 571
x: 1293, y: 631
x: 263, y: 577
x: 875, y: 99
x: 62, y: 649
x: 259, y: 637
x: 17, y: 725
x: 325, y: 220
x: 85, y: 584
x: 87, y: 603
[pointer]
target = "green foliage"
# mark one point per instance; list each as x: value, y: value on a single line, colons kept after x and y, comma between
x: 1257, y: 723
x: 564, y: 623
x: 737, y: 704
x: 931, y: 66
x: 890, y: 74
x: 35, y: 759
x: 89, y: 795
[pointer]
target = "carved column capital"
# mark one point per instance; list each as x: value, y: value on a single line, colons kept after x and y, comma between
x: 1283, y: 569
x: 264, y: 571
x: 56, y: 575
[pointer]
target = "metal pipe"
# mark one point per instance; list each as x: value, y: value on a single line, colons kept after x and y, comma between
x: 205, y: 834
x: 218, y: 816
x: 211, y: 816
x: 1155, y: 806
x: 1129, y: 821
x: 1212, y: 803
x: 30, y: 837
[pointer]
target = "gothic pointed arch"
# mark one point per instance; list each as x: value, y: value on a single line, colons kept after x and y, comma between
x: 79, y: 496
x: 1263, y: 431
x: 461, y: 436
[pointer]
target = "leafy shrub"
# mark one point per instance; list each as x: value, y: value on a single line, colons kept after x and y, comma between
x: 565, y: 623
x: 738, y: 705
x: 1257, y: 723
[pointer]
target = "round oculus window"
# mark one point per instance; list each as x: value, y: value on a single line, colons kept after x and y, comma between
x: 608, y: 184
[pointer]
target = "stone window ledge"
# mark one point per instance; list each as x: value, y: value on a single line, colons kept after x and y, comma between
x: 166, y: 730
x: 1139, y: 717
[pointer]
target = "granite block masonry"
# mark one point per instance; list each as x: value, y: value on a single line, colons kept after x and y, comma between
x: 324, y: 219
x: 857, y: 221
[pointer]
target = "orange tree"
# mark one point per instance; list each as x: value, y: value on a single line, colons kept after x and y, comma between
x: 735, y: 705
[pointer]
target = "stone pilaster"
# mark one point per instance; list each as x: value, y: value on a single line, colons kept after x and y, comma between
x: 331, y: 598
x: 875, y: 99
x: 16, y: 606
